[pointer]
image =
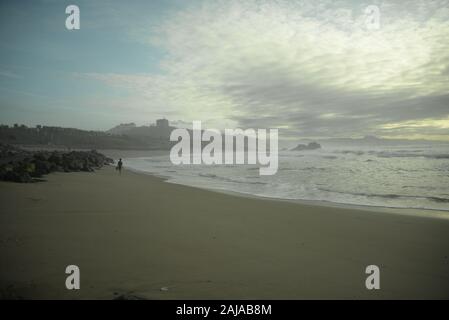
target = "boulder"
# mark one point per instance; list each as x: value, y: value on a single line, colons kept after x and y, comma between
x: 20, y: 165
x: 310, y: 146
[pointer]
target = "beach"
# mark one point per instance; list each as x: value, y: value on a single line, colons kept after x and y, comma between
x: 136, y: 235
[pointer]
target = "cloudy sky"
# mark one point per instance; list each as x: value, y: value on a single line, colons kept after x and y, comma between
x: 310, y: 68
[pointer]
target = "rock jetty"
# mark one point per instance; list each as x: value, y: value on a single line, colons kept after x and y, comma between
x: 21, y: 165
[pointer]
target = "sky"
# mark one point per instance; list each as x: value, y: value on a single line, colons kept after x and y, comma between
x: 312, y: 69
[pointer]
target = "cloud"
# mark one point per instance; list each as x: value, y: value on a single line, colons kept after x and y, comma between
x: 310, y: 67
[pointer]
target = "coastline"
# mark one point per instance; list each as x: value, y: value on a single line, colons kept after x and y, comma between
x: 137, y: 235
x: 418, y: 212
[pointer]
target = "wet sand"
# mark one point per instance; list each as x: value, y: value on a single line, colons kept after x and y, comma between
x: 137, y: 235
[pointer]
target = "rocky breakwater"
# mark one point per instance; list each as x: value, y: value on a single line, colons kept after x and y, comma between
x: 21, y: 165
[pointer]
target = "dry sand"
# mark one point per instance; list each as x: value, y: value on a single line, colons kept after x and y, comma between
x: 135, y: 234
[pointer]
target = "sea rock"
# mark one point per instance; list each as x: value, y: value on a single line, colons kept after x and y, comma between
x: 310, y: 146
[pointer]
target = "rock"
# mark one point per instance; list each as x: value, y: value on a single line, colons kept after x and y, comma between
x: 18, y: 176
x: 310, y: 146
x: 20, y: 165
x: 41, y: 167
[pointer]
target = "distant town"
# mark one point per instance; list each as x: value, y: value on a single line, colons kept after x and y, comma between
x: 124, y: 136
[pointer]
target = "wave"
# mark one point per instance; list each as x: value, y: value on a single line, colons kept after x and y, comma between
x: 313, y: 169
x: 384, y: 154
x: 153, y: 160
x: 406, y: 184
x: 214, y: 176
x: 396, y: 154
x: 390, y: 196
x: 358, y: 153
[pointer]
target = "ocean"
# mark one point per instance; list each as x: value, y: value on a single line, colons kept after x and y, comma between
x: 397, y: 176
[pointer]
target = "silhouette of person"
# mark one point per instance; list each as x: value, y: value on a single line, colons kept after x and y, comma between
x: 119, y: 166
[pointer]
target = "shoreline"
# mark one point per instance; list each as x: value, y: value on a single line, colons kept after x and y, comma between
x: 136, y: 235
x: 418, y: 212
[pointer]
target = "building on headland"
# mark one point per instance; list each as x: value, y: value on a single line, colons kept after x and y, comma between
x: 162, y: 123
x: 160, y: 130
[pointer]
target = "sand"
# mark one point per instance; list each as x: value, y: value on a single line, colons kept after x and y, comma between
x: 135, y: 234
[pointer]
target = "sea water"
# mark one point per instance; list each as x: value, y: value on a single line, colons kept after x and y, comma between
x: 400, y: 176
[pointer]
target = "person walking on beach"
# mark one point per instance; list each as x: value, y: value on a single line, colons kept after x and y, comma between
x: 119, y: 166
